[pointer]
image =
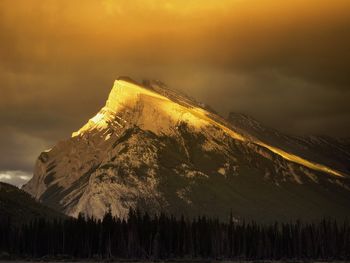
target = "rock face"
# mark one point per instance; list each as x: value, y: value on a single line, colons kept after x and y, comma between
x: 152, y: 148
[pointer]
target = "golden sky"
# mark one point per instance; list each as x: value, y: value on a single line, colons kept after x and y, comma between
x: 284, y: 62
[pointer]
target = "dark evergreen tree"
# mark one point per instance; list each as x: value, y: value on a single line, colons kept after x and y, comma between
x: 142, y: 236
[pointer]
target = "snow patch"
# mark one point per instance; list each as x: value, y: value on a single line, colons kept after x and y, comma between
x: 222, y: 171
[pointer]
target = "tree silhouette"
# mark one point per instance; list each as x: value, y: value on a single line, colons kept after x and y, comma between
x: 142, y: 236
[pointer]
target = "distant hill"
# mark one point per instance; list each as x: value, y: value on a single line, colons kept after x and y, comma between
x: 19, y: 207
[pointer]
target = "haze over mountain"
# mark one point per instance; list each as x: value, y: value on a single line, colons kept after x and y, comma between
x: 154, y: 148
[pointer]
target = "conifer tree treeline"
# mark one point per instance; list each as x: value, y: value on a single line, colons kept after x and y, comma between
x: 142, y: 236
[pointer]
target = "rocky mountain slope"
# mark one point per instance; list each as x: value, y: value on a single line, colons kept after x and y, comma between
x: 320, y: 149
x: 159, y: 150
x: 18, y: 206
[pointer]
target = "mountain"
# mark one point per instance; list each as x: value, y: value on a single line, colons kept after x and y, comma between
x: 332, y: 152
x: 156, y: 149
x: 19, y: 207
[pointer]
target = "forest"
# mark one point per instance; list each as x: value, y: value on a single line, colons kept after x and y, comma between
x: 152, y: 237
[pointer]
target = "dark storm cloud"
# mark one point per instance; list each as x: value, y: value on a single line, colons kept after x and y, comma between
x: 282, y: 62
x: 19, y: 150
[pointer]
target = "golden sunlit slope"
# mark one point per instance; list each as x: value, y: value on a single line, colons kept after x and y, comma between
x: 125, y: 95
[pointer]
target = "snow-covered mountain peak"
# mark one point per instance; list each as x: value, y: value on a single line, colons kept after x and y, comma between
x: 155, y: 109
x: 161, y: 111
x: 154, y: 147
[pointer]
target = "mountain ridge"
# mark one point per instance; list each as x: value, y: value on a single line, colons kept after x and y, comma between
x: 335, y: 149
x: 124, y: 82
x: 152, y: 146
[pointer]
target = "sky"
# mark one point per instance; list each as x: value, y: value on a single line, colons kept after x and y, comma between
x: 285, y: 63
